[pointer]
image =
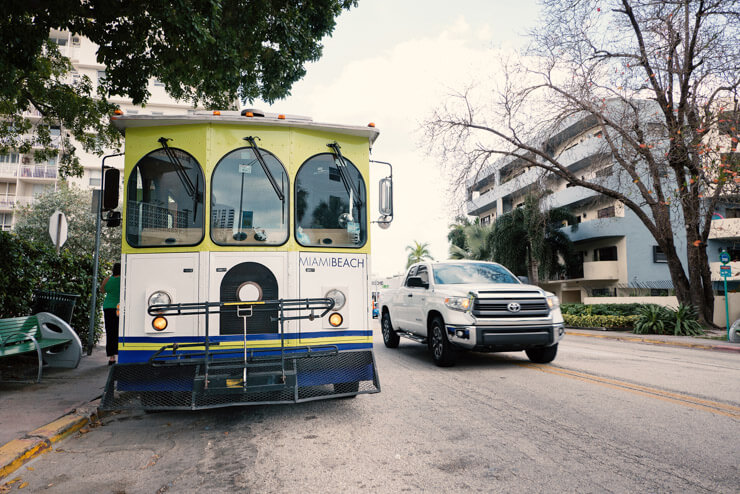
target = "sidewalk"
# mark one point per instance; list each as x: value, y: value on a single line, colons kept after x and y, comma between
x: 33, y: 416
x: 701, y: 343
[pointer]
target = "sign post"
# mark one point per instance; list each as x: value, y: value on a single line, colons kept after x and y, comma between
x: 726, y: 271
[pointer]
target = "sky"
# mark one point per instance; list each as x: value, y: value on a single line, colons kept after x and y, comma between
x: 392, y: 62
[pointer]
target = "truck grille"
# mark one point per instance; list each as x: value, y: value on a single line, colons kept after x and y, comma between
x: 499, y: 308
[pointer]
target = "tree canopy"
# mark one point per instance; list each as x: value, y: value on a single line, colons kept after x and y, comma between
x: 654, y: 83
x: 208, y: 52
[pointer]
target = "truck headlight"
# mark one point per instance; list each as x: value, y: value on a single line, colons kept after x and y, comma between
x: 553, y: 302
x: 463, y: 304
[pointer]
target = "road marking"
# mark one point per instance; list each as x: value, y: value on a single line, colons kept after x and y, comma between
x: 681, y: 399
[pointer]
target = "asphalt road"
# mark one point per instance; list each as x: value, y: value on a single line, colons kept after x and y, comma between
x: 604, y: 417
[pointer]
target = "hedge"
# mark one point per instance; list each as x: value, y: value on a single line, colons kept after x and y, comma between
x: 600, y: 309
x: 600, y: 321
x: 29, y: 266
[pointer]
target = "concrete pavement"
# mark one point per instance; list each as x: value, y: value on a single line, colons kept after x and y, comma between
x: 33, y: 417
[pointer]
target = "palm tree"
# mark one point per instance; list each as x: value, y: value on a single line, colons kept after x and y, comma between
x: 528, y: 240
x: 418, y: 253
x: 477, y: 245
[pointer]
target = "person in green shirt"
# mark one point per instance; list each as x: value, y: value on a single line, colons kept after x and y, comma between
x: 112, y: 289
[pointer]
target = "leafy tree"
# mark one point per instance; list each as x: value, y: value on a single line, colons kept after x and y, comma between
x: 456, y: 236
x: 658, y: 80
x: 528, y: 240
x: 210, y: 52
x: 33, y: 223
x: 477, y: 241
x: 418, y: 252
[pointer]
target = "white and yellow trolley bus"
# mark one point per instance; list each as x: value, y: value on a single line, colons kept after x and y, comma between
x: 245, y: 261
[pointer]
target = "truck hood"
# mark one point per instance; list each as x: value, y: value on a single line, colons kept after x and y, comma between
x: 488, y: 289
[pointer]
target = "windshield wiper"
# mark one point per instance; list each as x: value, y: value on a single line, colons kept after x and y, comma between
x: 192, y: 190
x: 349, y: 185
x: 277, y: 188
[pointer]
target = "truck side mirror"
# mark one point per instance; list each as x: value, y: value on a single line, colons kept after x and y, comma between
x: 111, y: 179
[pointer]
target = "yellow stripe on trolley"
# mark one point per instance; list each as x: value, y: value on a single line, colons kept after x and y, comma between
x: 154, y: 345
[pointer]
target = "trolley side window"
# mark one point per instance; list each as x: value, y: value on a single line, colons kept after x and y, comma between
x: 328, y: 211
x: 164, y: 204
x: 249, y: 199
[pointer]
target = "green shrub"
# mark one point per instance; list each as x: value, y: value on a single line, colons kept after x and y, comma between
x: 600, y: 321
x: 29, y: 266
x: 685, y: 321
x: 652, y: 319
x: 600, y: 309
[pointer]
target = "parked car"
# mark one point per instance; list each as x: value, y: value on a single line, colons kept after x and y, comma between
x: 471, y: 305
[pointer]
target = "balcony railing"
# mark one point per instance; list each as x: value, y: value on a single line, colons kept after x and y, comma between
x: 601, y: 270
x: 38, y: 171
x: 8, y: 169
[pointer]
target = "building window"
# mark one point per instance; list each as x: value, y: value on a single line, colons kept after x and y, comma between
x: 658, y: 254
x: 158, y: 83
x: 157, y: 113
x: 606, y: 253
x: 61, y: 41
x: 658, y: 292
x: 9, y: 158
x: 101, y: 76
x: 486, y: 220
x: 95, y: 178
x: 606, y: 212
x: 732, y: 213
x: 75, y: 41
x: 601, y: 292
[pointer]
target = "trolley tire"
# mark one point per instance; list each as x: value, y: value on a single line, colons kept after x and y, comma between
x: 390, y: 337
x: 443, y: 352
x: 542, y: 355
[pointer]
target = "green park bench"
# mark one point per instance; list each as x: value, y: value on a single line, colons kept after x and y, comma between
x: 51, y: 338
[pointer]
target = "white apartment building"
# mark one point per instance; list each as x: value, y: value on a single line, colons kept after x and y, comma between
x: 21, y: 178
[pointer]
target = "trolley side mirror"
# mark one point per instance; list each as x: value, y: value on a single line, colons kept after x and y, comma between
x: 385, y: 202
x: 111, y: 180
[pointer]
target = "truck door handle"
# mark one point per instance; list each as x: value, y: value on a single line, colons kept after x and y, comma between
x: 411, y: 294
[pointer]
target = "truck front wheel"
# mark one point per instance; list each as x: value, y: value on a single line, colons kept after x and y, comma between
x: 542, y: 355
x: 390, y: 337
x: 443, y: 353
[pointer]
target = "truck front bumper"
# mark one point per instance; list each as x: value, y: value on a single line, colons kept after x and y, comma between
x: 505, y: 338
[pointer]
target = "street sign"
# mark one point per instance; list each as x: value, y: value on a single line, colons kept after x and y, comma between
x: 725, y: 271
x: 724, y: 257
x: 58, y: 229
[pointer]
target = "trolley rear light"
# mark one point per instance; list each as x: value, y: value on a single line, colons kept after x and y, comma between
x: 159, y: 323
x: 336, y: 319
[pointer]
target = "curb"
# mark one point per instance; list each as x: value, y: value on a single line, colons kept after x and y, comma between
x: 637, y: 339
x: 17, y: 452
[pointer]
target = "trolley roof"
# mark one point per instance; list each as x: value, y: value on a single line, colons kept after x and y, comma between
x: 122, y: 122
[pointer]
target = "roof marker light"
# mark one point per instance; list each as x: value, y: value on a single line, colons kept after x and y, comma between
x: 281, y: 117
x: 249, y: 114
x: 118, y: 111
x: 371, y: 124
x: 216, y: 113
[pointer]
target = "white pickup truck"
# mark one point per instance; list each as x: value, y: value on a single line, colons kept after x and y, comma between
x: 471, y: 305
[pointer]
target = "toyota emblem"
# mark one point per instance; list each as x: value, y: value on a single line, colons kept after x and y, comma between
x: 514, y: 307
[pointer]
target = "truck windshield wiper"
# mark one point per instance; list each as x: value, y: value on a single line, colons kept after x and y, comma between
x: 349, y: 185
x: 192, y: 190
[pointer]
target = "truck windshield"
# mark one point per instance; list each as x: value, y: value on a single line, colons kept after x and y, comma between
x: 470, y: 273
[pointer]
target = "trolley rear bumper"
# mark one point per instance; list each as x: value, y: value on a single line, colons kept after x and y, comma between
x: 192, y: 385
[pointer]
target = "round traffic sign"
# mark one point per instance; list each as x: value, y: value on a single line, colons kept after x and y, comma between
x: 724, y: 257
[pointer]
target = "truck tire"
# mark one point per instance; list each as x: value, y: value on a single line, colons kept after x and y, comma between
x: 443, y: 353
x: 542, y: 355
x: 390, y: 337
